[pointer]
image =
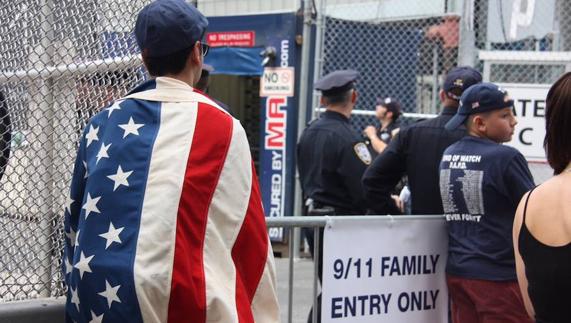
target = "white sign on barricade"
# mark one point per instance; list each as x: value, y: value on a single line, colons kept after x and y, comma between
x: 381, y: 270
x: 529, y: 109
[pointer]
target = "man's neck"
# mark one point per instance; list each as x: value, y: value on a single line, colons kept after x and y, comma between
x: 385, y: 123
x: 186, y: 76
x: 344, y: 110
x: 479, y: 134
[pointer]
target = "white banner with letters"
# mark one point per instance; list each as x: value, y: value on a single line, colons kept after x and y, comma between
x: 385, y: 270
x: 529, y: 109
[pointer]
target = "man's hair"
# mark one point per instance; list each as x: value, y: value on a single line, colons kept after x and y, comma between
x: 470, y: 120
x: 557, y: 142
x: 452, y: 102
x: 169, y: 64
x: 340, y: 98
x: 202, y: 81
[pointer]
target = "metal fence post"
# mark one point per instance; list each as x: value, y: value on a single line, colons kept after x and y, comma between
x: 42, y: 138
x: 467, y: 45
x: 434, y: 100
x: 316, y: 260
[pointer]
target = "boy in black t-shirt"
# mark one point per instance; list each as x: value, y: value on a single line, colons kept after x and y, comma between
x: 481, y: 184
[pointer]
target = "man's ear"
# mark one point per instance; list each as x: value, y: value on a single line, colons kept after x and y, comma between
x: 196, y: 54
x: 480, y: 122
x: 442, y: 95
x: 354, y: 96
x: 322, y: 101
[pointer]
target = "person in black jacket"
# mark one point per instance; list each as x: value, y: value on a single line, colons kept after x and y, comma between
x: 331, y: 158
x: 416, y: 151
x: 5, y: 135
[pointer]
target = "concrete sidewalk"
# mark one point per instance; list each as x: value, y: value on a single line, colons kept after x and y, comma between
x: 302, y: 288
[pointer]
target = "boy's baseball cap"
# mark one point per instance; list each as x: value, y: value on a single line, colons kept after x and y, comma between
x: 459, y: 79
x: 479, y: 98
x: 167, y: 26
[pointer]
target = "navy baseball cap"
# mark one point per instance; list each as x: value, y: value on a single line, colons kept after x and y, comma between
x: 165, y: 27
x: 459, y: 79
x: 479, y: 98
x: 391, y: 104
x: 336, y: 83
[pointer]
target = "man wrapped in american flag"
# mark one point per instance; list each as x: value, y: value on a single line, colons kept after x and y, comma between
x: 164, y: 222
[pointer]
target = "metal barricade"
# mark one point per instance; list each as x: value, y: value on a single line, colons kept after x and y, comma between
x: 52, y: 309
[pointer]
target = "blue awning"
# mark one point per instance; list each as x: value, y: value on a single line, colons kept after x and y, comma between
x: 235, y: 60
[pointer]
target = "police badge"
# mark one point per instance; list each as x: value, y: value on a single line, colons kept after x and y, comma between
x: 363, y: 153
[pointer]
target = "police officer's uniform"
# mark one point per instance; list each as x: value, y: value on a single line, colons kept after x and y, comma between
x: 331, y: 159
x: 386, y: 134
x: 331, y: 156
x: 416, y: 151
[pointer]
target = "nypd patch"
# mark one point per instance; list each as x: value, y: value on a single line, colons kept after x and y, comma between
x: 363, y: 153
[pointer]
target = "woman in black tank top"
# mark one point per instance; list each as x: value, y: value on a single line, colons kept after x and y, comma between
x: 542, y: 224
x: 548, y: 272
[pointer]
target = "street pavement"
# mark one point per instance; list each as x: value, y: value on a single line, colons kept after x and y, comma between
x: 302, y: 288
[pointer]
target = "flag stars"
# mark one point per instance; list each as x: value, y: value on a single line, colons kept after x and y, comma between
x: 112, y: 235
x: 83, y: 264
x: 120, y: 178
x: 95, y: 318
x: 115, y: 106
x: 91, y: 205
x: 91, y: 135
x: 110, y: 293
x: 131, y: 127
x: 71, y: 235
x: 86, y: 174
x: 68, y: 266
x: 77, y: 240
x: 74, y: 298
x: 102, y: 152
x: 68, y: 204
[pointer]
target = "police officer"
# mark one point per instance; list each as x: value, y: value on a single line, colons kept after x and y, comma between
x: 331, y: 156
x: 416, y: 151
x: 388, y: 111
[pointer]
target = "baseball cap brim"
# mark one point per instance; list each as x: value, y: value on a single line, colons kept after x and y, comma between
x: 455, y: 122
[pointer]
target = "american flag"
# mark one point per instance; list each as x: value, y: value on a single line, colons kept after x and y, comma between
x: 164, y: 222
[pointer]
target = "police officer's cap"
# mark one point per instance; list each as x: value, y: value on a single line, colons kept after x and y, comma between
x: 479, y: 98
x: 459, y: 79
x: 337, y: 83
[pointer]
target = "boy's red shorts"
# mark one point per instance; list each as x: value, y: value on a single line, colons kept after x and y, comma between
x: 485, y: 301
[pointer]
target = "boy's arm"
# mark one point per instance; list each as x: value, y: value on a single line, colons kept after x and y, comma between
x: 518, y: 178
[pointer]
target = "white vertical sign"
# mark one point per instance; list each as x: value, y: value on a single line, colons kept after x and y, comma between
x: 529, y: 108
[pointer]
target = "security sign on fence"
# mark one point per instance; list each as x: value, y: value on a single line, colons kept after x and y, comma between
x: 385, y: 270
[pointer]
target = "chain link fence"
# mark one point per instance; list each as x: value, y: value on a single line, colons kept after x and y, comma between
x: 63, y: 60
x: 60, y: 62
x: 403, y: 50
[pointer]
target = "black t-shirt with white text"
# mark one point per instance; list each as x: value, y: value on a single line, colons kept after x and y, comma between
x: 481, y: 184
